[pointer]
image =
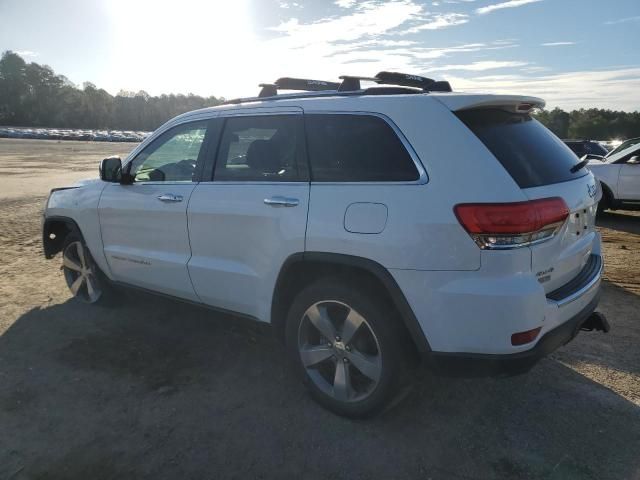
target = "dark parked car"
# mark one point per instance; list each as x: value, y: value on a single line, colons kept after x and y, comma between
x: 585, y: 147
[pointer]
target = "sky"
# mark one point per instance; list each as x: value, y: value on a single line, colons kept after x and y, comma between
x: 572, y: 53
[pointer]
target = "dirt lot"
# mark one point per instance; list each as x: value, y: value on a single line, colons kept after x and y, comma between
x: 155, y: 389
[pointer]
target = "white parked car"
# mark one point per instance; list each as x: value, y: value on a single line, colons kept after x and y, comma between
x: 369, y: 226
x: 619, y: 176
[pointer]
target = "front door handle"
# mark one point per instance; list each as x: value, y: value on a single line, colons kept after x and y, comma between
x: 278, y: 201
x: 170, y: 197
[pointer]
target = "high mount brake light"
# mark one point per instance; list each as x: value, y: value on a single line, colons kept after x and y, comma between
x: 512, y: 225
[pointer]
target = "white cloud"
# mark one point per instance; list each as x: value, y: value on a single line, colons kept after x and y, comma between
x: 439, y: 21
x: 616, y: 89
x: 345, y: 3
x: 27, y: 53
x: 480, y: 66
x: 557, y: 44
x: 623, y: 20
x: 500, y: 6
x: 368, y: 20
x: 289, y: 5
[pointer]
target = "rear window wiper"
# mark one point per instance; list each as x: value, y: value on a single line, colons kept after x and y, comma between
x: 579, y: 165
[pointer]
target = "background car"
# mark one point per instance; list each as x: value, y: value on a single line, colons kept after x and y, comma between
x: 586, y: 147
x: 619, y: 176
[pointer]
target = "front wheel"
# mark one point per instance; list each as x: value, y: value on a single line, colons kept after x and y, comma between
x: 347, y: 347
x: 83, y: 277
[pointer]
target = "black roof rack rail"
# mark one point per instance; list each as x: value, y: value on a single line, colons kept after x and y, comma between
x: 305, y: 84
x: 401, y: 83
x: 290, y: 83
x: 405, y: 80
x: 352, y: 82
x: 268, y: 90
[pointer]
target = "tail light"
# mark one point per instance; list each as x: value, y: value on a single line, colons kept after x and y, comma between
x: 512, y: 225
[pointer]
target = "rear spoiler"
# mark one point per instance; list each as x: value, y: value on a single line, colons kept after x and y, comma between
x: 513, y: 103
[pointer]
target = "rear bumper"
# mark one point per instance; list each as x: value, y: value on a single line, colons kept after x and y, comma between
x: 474, y: 365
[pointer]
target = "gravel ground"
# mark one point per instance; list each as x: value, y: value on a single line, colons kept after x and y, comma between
x: 157, y: 389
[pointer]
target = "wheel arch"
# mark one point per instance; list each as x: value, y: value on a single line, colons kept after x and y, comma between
x: 301, y: 269
x: 606, y: 191
x: 54, y: 232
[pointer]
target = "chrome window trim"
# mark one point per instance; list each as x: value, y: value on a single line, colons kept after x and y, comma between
x: 423, y: 177
x: 251, y: 182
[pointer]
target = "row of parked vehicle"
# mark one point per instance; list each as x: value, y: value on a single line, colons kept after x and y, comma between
x: 73, y: 134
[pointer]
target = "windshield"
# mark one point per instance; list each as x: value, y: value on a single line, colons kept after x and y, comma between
x: 623, y: 146
x: 622, y: 153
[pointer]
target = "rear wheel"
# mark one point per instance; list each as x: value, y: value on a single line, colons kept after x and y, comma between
x: 84, y: 279
x: 605, y: 201
x: 347, y: 348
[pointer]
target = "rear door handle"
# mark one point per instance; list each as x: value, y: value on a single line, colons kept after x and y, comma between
x: 278, y: 201
x: 170, y: 197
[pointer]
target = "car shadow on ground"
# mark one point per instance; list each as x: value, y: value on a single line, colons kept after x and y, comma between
x: 157, y: 389
x: 617, y: 351
x: 620, y: 220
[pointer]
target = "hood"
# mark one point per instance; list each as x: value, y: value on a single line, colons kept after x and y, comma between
x: 86, y: 181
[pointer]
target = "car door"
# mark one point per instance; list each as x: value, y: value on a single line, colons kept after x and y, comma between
x: 252, y: 215
x: 144, y: 224
x: 629, y: 178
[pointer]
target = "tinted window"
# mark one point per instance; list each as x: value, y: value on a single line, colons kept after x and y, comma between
x: 576, y: 148
x: 260, y: 148
x: 595, y: 148
x: 356, y: 148
x: 531, y: 154
x: 172, y: 157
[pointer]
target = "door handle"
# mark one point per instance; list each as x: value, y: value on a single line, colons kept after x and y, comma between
x: 278, y: 201
x: 170, y: 197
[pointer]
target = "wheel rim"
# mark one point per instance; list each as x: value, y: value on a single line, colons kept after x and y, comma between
x: 79, y: 273
x: 340, y: 351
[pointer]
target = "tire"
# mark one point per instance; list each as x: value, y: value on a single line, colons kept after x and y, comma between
x: 360, y: 369
x: 85, y: 280
x: 605, y: 201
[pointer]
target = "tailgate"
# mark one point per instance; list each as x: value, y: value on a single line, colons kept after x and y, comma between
x: 558, y: 260
x: 543, y: 167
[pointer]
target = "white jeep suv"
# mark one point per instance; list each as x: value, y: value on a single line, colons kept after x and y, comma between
x: 370, y: 226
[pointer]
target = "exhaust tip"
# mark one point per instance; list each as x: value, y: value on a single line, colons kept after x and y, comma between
x: 596, y: 321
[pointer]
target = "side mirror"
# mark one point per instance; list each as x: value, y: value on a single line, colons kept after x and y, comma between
x: 635, y: 160
x: 111, y: 169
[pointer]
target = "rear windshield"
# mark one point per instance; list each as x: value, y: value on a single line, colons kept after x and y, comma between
x: 531, y: 154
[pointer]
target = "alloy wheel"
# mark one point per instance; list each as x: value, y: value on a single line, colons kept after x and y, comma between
x: 80, y: 274
x: 340, y: 351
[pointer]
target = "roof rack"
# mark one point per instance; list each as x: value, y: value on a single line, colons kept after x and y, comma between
x: 289, y: 83
x: 403, y: 83
x: 351, y: 82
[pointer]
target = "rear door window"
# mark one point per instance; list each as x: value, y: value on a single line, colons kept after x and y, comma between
x: 356, y: 148
x: 531, y: 154
x: 266, y: 148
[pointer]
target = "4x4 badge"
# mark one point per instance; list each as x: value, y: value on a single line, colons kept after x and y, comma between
x: 592, y: 190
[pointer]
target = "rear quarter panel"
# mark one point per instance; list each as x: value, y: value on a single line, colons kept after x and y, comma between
x: 422, y: 231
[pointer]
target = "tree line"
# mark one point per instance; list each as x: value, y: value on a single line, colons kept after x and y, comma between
x: 33, y: 95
